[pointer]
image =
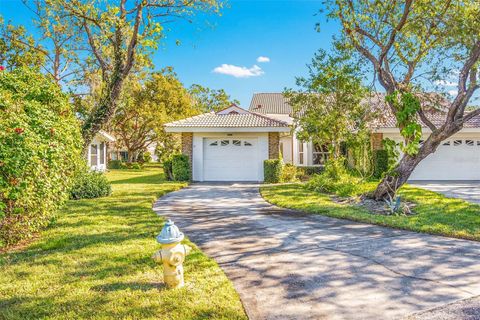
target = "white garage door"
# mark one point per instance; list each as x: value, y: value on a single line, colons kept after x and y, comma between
x: 457, y: 159
x: 231, y: 160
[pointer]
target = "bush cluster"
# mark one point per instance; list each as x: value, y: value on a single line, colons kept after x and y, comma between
x: 177, y: 168
x: 272, y: 170
x: 306, y: 172
x: 181, y: 167
x: 115, y: 164
x: 89, y: 184
x: 344, y: 185
x: 289, y: 173
x: 39, y: 152
x: 335, y: 179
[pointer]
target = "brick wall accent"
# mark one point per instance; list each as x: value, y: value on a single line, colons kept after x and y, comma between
x: 187, y: 145
x: 273, y: 145
x: 376, y: 141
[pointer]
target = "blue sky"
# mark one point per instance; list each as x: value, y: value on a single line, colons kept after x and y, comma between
x: 282, y: 31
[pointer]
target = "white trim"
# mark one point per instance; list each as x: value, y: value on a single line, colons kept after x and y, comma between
x: 227, y: 129
x: 424, y: 130
x: 106, y: 136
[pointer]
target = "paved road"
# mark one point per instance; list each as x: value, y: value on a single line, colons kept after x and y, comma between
x: 466, y: 190
x: 288, y: 265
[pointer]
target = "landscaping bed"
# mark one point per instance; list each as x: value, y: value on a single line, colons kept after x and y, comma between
x: 433, y: 212
x: 95, y: 262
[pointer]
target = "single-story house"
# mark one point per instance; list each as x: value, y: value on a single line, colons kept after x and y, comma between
x: 231, y: 145
x: 97, y: 152
x: 118, y: 152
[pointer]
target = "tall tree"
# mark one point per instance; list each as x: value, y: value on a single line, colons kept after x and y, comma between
x: 145, y: 106
x: 119, y: 35
x: 327, y: 108
x: 206, y: 99
x: 404, y: 41
x: 17, y: 49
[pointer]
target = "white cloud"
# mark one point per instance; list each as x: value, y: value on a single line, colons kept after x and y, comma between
x: 239, y: 72
x: 445, y: 83
x: 263, y: 59
x: 453, y: 92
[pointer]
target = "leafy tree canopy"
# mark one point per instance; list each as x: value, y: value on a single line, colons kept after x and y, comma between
x: 206, y: 99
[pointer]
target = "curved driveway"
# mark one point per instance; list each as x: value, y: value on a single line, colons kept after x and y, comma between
x: 289, y: 265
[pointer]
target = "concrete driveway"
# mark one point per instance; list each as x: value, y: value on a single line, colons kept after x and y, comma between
x: 466, y: 190
x: 288, y: 265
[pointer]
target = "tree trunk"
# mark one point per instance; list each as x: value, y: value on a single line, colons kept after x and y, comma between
x: 103, y: 111
x: 392, y: 182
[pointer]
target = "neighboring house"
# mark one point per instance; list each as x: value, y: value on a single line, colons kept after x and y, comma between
x: 232, y: 144
x: 229, y: 145
x: 97, y: 152
x: 120, y: 153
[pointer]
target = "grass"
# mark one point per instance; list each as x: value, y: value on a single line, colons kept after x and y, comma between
x: 435, y: 213
x: 95, y: 262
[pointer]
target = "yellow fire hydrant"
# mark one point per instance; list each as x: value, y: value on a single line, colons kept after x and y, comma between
x: 172, y: 254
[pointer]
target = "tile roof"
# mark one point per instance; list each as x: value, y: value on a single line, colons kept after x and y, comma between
x: 270, y: 103
x: 434, y: 105
x: 232, y: 120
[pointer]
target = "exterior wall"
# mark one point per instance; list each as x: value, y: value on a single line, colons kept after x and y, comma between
x: 187, y: 146
x: 97, y: 166
x: 287, y: 150
x: 376, y: 141
x: 273, y: 145
x: 198, y: 142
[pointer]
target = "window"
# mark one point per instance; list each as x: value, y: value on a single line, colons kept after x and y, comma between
x: 214, y: 143
x: 320, y: 154
x: 124, y: 155
x: 300, y: 153
x: 224, y: 142
x: 237, y: 143
x: 247, y: 144
x: 447, y: 143
x: 233, y: 112
x: 93, y: 155
x: 469, y: 142
x: 102, y: 153
x: 457, y: 142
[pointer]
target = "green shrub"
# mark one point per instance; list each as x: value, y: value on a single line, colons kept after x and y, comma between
x: 115, y: 164
x: 289, y: 173
x: 345, y: 185
x: 89, y: 184
x: 40, y: 149
x: 306, y: 172
x: 147, y: 157
x: 380, y: 163
x: 136, y: 165
x: 272, y: 170
x: 180, y: 167
x: 167, y: 169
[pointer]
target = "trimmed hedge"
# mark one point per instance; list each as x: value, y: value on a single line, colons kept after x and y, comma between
x: 90, y: 184
x: 272, y: 170
x: 380, y: 163
x: 181, y: 167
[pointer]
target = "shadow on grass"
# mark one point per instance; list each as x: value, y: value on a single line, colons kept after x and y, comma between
x: 141, y: 286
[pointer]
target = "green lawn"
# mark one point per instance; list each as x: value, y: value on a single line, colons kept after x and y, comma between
x: 435, y: 213
x: 95, y: 262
